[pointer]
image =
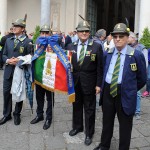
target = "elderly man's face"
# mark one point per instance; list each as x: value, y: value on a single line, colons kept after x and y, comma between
x: 120, y: 41
x: 83, y: 35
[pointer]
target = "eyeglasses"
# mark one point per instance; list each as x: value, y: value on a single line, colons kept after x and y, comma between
x: 118, y: 36
x: 86, y: 31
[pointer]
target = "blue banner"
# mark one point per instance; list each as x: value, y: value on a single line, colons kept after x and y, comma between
x: 53, y: 41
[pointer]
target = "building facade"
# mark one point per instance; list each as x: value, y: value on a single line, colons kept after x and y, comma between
x: 63, y: 14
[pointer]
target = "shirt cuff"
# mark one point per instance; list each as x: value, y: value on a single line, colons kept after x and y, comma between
x: 7, y: 61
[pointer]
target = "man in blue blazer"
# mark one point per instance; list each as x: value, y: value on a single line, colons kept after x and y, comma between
x: 18, y: 45
x: 124, y: 75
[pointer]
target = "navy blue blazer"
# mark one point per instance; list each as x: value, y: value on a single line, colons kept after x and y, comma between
x: 23, y: 48
x: 133, y: 79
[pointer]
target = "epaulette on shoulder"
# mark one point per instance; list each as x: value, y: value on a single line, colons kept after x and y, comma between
x: 75, y: 43
x: 130, y: 51
x: 110, y: 51
x: 90, y: 42
x: 22, y: 38
x: 12, y: 37
x: 30, y: 43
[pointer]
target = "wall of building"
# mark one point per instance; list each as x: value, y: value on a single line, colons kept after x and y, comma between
x: 64, y: 13
x: 17, y: 9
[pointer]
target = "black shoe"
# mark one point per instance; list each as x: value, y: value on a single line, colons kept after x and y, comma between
x: 5, y: 119
x: 74, y: 132
x: 88, y: 141
x: 97, y: 148
x: 17, y: 120
x: 47, y: 124
x: 37, y: 119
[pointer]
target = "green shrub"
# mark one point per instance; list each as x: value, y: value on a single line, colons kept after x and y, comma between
x: 145, y: 39
x: 36, y: 33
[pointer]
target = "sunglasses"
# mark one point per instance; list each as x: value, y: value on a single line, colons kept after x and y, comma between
x: 17, y: 26
x: 118, y: 36
x: 44, y: 32
x: 86, y: 31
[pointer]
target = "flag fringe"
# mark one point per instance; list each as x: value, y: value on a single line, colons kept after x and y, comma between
x: 61, y: 92
x: 71, y: 98
x: 43, y: 86
x: 33, y: 84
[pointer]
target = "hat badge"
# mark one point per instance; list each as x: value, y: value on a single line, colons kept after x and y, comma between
x: 84, y: 23
x: 118, y: 27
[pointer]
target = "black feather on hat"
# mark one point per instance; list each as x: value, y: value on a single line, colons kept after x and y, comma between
x: 83, y: 25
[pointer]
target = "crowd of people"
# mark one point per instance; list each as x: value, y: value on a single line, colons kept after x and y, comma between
x: 114, y: 66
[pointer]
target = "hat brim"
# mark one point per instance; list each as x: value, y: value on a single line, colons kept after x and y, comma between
x: 17, y: 24
x: 44, y: 30
x: 83, y: 29
x: 118, y: 32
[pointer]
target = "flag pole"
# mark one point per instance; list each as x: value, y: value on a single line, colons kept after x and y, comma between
x: 52, y: 96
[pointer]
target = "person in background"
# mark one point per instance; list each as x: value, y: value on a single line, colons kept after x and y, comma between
x: 1, y: 61
x: 61, y: 39
x: 31, y: 35
x: 133, y: 42
x: 68, y: 40
x: 74, y: 36
x: 147, y: 92
x: 100, y: 37
x: 2, y: 44
x: 107, y: 43
x: 124, y: 75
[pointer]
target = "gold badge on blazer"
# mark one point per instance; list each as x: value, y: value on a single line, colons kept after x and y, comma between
x: 133, y: 67
x: 93, y: 56
x: 21, y: 49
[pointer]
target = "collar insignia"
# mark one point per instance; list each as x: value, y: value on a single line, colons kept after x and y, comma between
x: 90, y: 42
x: 110, y: 51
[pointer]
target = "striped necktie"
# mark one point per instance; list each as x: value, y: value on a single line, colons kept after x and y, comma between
x: 115, y: 75
x: 16, y: 41
x: 81, y: 56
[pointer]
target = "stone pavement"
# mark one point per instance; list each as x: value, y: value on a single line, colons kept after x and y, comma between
x: 33, y: 137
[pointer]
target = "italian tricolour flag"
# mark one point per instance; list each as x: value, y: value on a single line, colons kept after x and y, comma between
x: 51, y: 74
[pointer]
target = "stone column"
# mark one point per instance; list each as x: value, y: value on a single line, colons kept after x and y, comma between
x: 81, y: 8
x: 45, y: 12
x: 144, y: 19
x: 137, y: 16
x: 3, y: 16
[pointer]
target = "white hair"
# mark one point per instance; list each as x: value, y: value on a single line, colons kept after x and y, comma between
x: 133, y: 35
